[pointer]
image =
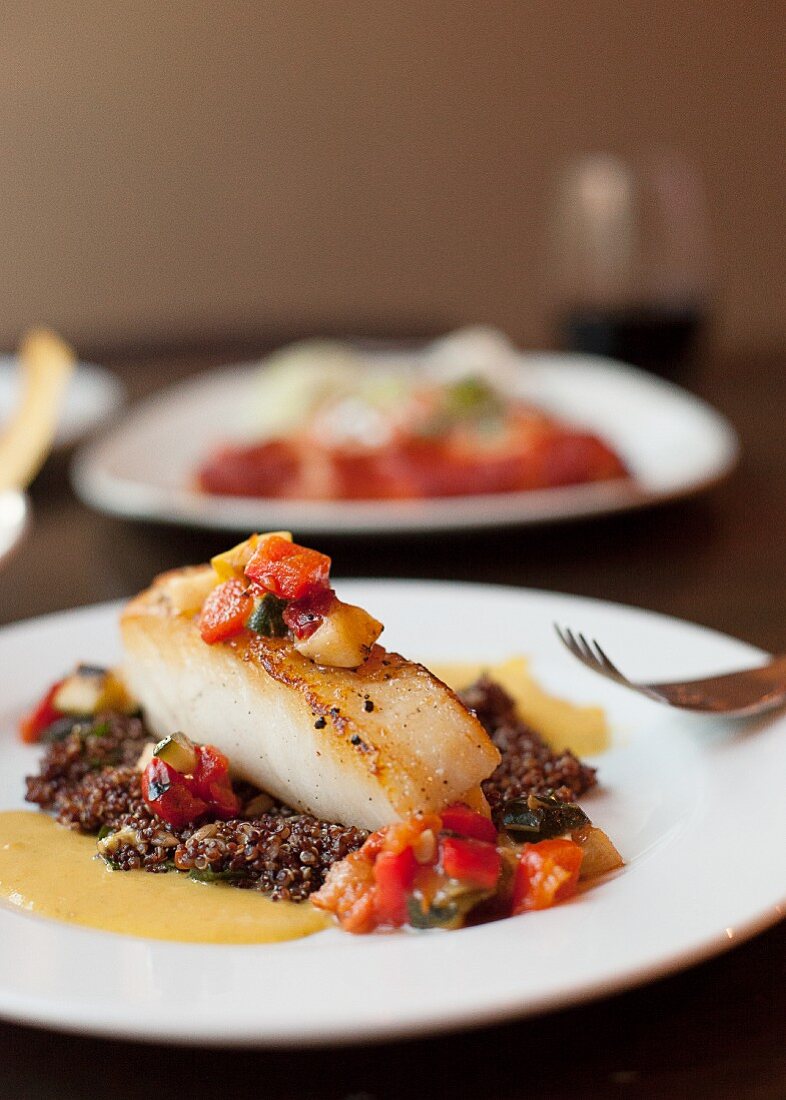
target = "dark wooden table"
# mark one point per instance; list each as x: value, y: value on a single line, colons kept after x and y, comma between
x: 717, y: 1030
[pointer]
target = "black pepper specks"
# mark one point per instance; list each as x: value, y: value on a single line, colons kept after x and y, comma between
x: 320, y: 723
x: 368, y: 706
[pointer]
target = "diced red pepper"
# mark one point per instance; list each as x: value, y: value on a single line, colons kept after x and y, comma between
x: 304, y: 616
x: 473, y: 862
x: 225, y: 612
x: 168, y: 795
x: 463, y: 821
x: 286, y: 569
x: 212, y: 784
x: 548, y: 872
x: 349, y: 892
x: 394, y: 873
x: 40, y: 718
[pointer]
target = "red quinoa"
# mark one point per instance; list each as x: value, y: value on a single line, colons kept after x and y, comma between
x: 87, y: 778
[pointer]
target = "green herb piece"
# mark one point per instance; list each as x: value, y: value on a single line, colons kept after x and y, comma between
x: 267, y: 618
x: 105, y: 831
x: 207, y: 875
x: 471, y: 396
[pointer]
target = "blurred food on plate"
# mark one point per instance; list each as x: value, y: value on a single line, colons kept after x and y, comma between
x: 330, y: 422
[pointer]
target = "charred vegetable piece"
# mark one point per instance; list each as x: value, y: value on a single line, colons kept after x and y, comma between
x: 267, y: 618
x: 541, y: 817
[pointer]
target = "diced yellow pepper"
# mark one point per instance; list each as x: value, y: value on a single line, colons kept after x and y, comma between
x: 232, y: 563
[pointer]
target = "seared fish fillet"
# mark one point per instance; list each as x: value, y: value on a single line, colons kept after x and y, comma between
x: 360, y: 746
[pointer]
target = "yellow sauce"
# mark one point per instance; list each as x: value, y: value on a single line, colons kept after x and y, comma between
x: 562, y: 724
x: 49, y: 870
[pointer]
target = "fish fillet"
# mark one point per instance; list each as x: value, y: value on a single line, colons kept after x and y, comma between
x: 361, y: 746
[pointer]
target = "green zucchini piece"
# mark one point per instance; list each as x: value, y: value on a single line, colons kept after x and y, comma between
x: 178, y: 751
x: 267, y: 617
x: 541, y: 817
x: 437, y: 916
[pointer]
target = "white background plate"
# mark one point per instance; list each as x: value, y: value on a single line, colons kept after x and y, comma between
x: 678, y: 796
x: 673, y: 442
x: 93, y: 393
x: 14, y: 519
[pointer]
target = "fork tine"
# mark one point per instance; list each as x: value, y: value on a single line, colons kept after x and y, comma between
x: 566, y: 637
x: 572, y: 644
x: 609, y: 665
x: 587, y: 650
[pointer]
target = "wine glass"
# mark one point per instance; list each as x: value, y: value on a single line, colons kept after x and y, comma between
x: 629, y: 258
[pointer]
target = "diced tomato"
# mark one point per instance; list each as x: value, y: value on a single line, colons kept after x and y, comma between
x: 349, y: 892
x: 460, y: 819
x: 394, y: 873
x: 168, y: 795
x: 548, y: 872
x: 304, y: 616
x: 225, y: 612
x: 40, y: 718
x: 472, y: 862
x: 287, y: 570
x: 211, y: 782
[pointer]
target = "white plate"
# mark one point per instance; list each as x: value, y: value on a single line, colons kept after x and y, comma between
x: 93, y: 393
x: 14, y: 518
x: 673, y: 442
x: 680, y: 796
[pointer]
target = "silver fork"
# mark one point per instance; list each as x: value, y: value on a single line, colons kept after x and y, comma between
x: 735, y: 694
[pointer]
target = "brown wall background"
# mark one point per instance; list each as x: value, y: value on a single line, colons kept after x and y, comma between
x: 175, y: 170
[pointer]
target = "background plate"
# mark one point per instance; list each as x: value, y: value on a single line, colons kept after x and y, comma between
x: 674, y: 443
x: 93, y: 393
x: 669, y: 786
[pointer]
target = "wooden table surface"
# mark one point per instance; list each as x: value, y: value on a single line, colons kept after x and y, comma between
x: 716, y: 1030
